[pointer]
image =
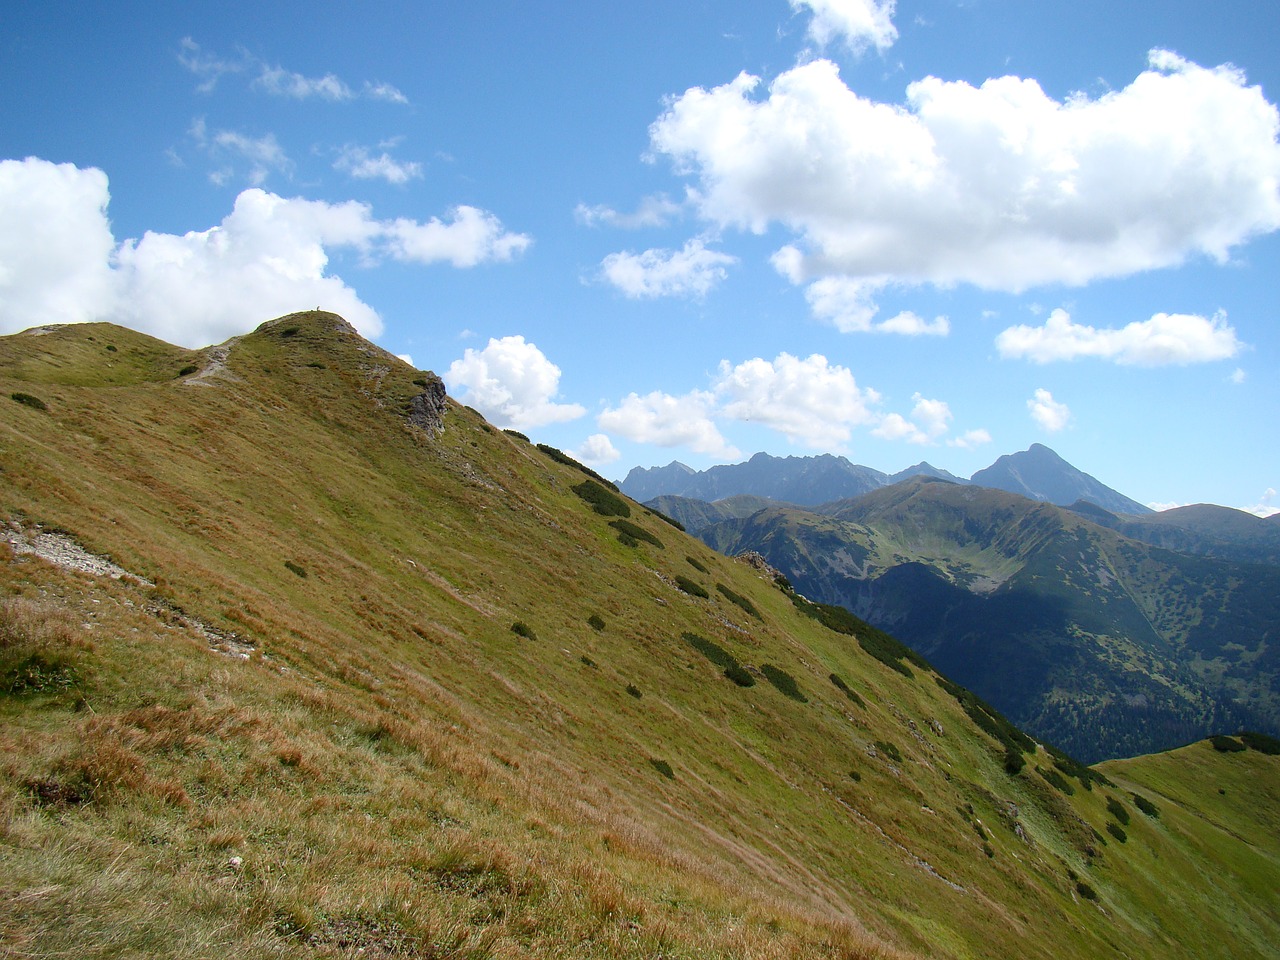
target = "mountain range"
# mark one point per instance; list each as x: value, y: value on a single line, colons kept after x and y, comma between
x: 1037, y: 473
x: 301, y: 658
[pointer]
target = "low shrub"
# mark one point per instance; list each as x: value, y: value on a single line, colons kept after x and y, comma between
x: 784, y: 682
x: 1086, y: 891
x: 844, y: 688
x: 1261, y: 742
x: 511, y: 433
x: 739, y: 600
x: 691, y: 588
x: 587, y: 661
x: 188, y: 370
x: 892, y: 653
x: 855, y: 776
x: 627, y: 540
x: 696, y: 564
x: 296, y: 568
x: 522, y: 629
x: 559, y: 456
x: 989, y: 851
x: 1117, y: 831
x: 1057, y: 780
x: 634, y: 691
x: 740, y: 675
x: 1145, y: 805
x: 289, y: 332
x: 636, y: 533
x: 889, y: 750
x: 1117, y: 810
x: 1227, y: 744
x: 27, y: 400
x: 1014, y: 761
x: 602, y: 501
x: 665, y: 519
x: 595, y: 622
x: 711, y: 650
x: 663, y: 768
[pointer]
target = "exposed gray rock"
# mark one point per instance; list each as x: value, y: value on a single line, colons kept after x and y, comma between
x: 426, y: 410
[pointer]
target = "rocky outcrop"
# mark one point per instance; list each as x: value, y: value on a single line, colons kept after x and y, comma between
x: 426, y: 410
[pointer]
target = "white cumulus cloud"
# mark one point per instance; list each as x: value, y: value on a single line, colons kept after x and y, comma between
x: 669, y: 421
x: 998, y: 185
x: 689, y: 272
x: 512, y: 383
x: 970, y: 439
x: 269, y: 256
x: 1164, y: 339
x: 810, y: 401
x: 858, y: 22
x: 596, y: 451
x: 1047, y: 412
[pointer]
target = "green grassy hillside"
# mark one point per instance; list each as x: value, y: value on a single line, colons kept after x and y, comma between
x: 363, y: 686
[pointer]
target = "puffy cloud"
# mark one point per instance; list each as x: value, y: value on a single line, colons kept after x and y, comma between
x: 472, y: 236
x: 512, y: 383
x: 596, y: 451
x: 930, y: 419
x: 1164, y: 339
x: 655, y: 211
x: 1238, y: 376
x: 808, y: 400
x: 970, y: 439
x: 362, y: 165
x: 55, y: 244
x: 669, y: 421
x: 407, y: 358
x: 1051, y: 415
x: 858, y: 22
x: 848, y: 305
x: 1265, y: 506
x: 998, y: 185
x: 691, y: 271
x: 60, y: 264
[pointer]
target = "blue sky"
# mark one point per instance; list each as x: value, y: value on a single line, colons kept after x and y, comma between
x: 934, y: 230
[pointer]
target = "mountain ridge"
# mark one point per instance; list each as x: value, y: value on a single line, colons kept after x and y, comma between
x: 1037, y: 473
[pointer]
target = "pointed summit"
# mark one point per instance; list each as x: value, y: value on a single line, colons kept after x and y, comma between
x: 1041, y: 474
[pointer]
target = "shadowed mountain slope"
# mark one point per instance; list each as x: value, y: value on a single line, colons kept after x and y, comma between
x: 300, y: 658
x: 1100, y: 643
x: 1040, y: 474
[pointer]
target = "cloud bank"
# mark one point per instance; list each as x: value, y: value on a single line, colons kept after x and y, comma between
x: 268, y: 257
x: 1163, y: 340
x: 999, y: 186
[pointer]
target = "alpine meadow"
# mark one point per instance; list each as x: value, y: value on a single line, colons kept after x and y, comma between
x: 303, y: 658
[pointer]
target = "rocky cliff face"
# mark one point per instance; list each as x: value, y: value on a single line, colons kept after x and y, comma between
x: 426, y: 410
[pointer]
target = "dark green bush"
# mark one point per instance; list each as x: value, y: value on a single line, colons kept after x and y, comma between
x: 1014, y: 761
x: 637, y: 533
x: 711, y: 650
x: 316, y: 365
x: 696, y: 564
x: 627, y: 540
x: 989, y: 851
x: 289, y: 332
x: 111, y: 348
x: 511, y: 433
x: 889, y: 750
x: 1145, y: 805
x: 522, y: 629
x: 26, y: 399
x: 739, y: 675
x: 1015, y: 742
x: 634, y: 691
x: 739, y: 600
x: 1117, y: 831
x: 1086, y: 891
x: 1117, y: 810
x: 665, y: 519
x: 595, y: 622
x: 1074, y: 768
x: 1057, y: 779
x: 1261, y: 742
x: 295, y: 568
x: 663, y: 768
x: 559, y: 456
x: 844, y: 688
x: 602, y: 501
x: 879, y: 644
x: 188, y: 370
x: 587, y: 660
x: 692, y: 588
x: 784, y: 682
x: 1227, y: 744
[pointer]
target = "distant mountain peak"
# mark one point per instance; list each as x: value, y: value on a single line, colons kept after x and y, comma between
x: 1041, y: 474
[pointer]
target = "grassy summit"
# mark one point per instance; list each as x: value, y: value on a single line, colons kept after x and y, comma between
x: 373, y: 689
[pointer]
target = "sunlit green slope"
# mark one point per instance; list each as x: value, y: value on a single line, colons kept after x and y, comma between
x: 379, y: 683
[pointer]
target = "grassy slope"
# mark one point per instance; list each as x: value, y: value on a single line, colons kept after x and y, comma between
x: 397, y: 771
